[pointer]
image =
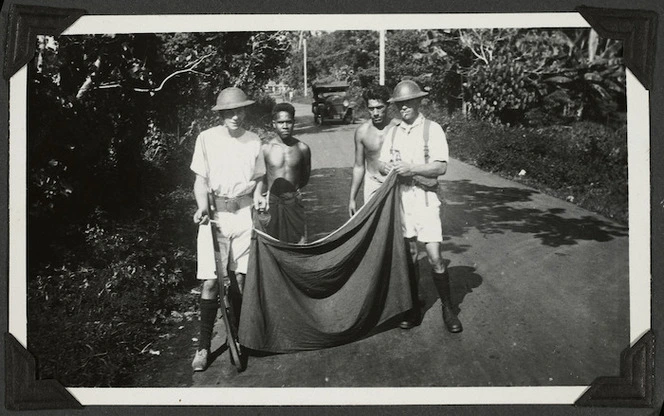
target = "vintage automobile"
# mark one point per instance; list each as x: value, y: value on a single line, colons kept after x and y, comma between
x: 331, y: 103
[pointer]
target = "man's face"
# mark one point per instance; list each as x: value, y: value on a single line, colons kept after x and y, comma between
x: 233, y: 118
x: 283, y: 123
x: 377, y: 110
x: 409, y: 109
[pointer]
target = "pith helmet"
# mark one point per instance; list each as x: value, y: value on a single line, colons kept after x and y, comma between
x: 406, y: 90
x: 232, y: 97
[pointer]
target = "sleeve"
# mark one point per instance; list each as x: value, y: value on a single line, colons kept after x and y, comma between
x: 438, y: 149
x: 259, y: 167
x: 198, y: 163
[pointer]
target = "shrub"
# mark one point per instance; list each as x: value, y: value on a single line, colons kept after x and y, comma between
x: 92, y: 315
x: 585, y: 159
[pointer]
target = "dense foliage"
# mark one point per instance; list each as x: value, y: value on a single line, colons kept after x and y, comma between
x: 111, y: 123
x: 103, y: 106
x: 530, y: 77
x: 584, y: 162
x: 349, y: 55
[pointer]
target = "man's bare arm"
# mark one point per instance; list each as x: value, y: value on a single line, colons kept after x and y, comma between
x: 306, y: 168
x: 260, y: 202
x: 201, y: 195
x: 358, y: 170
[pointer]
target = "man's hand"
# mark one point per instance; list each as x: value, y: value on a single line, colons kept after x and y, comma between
x: 351, y: 208
x: 403, y: 168
x: 261, y: 203
x: 385, y: 168
x: 201, y: 216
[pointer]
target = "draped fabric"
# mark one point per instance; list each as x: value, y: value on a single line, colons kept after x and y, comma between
x: 286, y: 213
x: 332, y: 291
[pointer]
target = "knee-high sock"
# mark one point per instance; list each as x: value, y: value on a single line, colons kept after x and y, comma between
x: 208, y: 316
x: 442, y: 283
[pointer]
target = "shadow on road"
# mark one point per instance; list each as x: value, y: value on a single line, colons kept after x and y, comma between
x: 217, y: 353
x: 463, y: 279
x: 491, y: 210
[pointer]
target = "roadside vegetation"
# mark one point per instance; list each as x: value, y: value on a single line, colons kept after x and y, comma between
x: 544, y: 107
x: 113, y: 118
x: 584, y: 163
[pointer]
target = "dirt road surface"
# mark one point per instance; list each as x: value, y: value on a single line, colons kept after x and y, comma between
x: 542, y: 287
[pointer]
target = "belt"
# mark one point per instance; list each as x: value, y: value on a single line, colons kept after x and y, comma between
x: 226, y: 204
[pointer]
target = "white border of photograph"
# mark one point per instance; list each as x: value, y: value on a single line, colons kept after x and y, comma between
x: 638, y: 133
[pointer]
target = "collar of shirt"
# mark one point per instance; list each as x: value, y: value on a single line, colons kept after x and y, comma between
x: 408, y: 127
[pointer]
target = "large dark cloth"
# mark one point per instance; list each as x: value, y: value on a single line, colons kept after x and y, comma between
x: 286, y: 213
x: 332, y: 291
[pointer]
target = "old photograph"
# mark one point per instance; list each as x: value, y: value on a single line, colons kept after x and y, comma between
x: 445, y: 203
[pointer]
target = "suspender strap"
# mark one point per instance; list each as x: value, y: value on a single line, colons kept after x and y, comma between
x: 394, y: 133
x: 427, y: 124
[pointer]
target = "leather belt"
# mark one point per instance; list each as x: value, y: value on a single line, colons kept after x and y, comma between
x: 226, y: 204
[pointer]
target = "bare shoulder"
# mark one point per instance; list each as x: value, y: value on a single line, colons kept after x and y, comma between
x: 268, y: 146
x: 302, y: 146
x: 363, y: 130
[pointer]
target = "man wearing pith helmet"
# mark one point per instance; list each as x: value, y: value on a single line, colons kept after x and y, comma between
x: 416, y: 148
x: 227, y: 161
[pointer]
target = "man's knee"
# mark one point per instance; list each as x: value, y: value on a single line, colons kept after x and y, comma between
x: 210, y: 289
x: 434, y: 257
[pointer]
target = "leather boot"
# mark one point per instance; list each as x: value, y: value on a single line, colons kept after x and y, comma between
x: 442, y: 282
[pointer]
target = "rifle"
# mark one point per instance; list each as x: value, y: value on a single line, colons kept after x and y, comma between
x: 226, y: 287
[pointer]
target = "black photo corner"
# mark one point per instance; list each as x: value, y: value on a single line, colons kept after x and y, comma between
x: 638, y: 387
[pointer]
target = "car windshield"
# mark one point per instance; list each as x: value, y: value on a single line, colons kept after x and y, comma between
x: 323, y: 95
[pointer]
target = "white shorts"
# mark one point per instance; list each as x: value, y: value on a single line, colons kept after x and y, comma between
x: 418, y: 219
x: 234, y: 237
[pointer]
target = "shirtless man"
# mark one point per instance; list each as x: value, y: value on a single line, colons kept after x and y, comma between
x: 369, y: 139
x: 288, y: 166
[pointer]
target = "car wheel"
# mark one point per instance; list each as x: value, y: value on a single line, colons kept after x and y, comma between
x: 318, y: 119
x: 348, y: 118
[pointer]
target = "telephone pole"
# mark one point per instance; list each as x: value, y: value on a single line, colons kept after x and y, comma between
x: 304, y: 44
x: 382, y: 57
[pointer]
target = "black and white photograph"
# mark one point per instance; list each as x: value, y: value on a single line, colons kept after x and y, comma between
x: 207, y: 208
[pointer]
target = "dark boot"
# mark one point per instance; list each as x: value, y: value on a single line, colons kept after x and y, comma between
x: 413, y: 317
x: 442, y: 282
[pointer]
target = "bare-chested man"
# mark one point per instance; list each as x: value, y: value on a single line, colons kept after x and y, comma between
x: 288, y: 166
x: 369, y: 139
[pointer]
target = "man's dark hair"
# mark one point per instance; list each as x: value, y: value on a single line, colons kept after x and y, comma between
x: 376, y: 92
x: 287, y: 107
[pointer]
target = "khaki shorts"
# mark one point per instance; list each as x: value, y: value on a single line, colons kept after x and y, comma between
x: 234, y: 237
x: 418, y: 219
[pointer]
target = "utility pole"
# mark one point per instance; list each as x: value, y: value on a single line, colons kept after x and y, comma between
x: 382, y: 57
x: 304, y: 43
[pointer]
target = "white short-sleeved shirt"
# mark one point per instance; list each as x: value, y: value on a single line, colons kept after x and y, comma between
x: 233, y: 163
x: 409, y: 141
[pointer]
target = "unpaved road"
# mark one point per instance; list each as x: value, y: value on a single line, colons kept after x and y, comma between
x: 542, y: 286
